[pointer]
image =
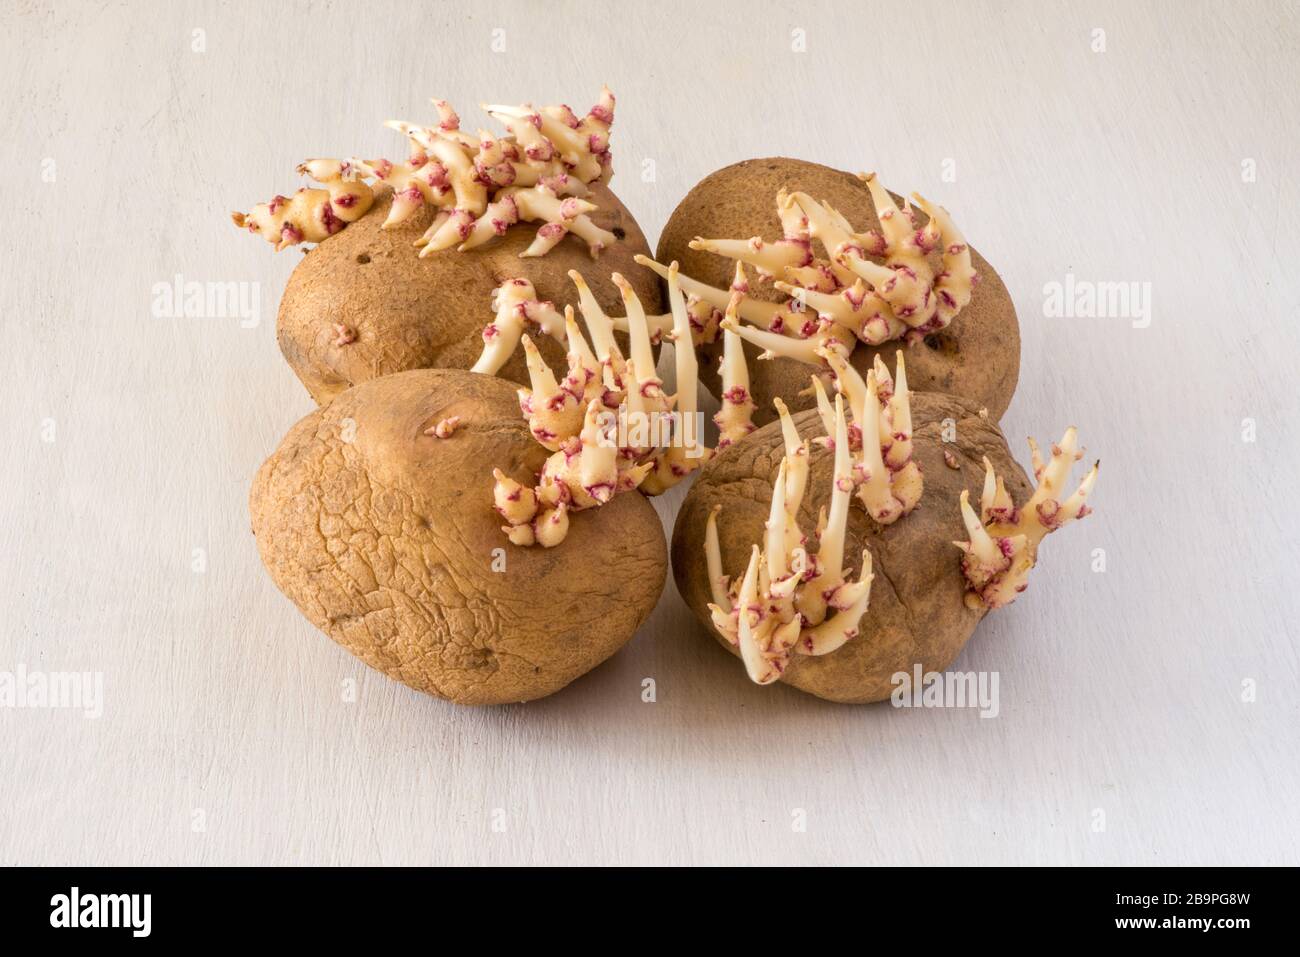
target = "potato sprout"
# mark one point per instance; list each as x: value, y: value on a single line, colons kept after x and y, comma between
x: 889, y: 482
x: 1004, y: 539
x: 480, y: 185
x: 608, y: 422
x: 789, y: 602
x: 874, y: 287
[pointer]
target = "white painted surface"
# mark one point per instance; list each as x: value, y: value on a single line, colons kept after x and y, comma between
x: 1120, y: 691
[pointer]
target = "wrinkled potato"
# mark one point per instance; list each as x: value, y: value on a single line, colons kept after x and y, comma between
x: 403, y: 312
x: 977, y: 356
x: 918, y: 613
x: 384, y: 536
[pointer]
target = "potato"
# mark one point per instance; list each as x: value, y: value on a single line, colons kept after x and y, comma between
x: 413, y: 313
x: 918, y: 613
x: 977, y: 356
x: 385, y: 538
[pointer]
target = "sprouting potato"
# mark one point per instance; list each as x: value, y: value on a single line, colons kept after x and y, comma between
x: 894, y: 284
x: 860, y: 537
x: 408, y: 252
x: 375, y: 518
x: 403, y: 312
x: 918, y: 611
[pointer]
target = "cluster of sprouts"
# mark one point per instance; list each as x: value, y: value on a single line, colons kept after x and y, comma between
x: 518, y: 311
x: 789, y: 601
x: 480, y: 185
x: 608, y: 423
x: 1004, y: 539
x: 872, y: 287
x: 888, y: 480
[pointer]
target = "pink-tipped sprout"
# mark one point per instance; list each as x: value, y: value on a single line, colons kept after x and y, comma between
x: 1004, y: 539
x: 478, y: 185
x: 609, y: 422
x: 786, y: 605
x: 872, y: 287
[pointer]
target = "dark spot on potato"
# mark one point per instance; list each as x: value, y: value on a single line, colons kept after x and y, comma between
x: 620, y: 232
x: 942, y: 342
x: 363, y: 258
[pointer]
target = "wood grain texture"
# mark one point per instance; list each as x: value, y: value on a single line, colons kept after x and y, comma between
x: 130, y: 441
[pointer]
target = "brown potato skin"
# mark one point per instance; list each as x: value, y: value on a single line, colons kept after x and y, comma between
x: 977, y: 356
x: 917, y: 612
x: 412, y: 313
x: 386, y: 544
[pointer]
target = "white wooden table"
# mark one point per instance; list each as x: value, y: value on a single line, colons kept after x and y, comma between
x: 1167, y: 158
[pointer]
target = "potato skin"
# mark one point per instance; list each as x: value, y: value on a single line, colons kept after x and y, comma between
x: 386, y: 544
x: 917, y: 612
x: 412, y: 313
x: 977, y: 356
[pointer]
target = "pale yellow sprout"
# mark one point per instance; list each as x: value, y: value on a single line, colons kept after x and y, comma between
x: 785, y: 605
x: 1003, y: 539
x: 889, y: 483
x: 609, y: 423
x: 872, y: 287
x: 479, y: 186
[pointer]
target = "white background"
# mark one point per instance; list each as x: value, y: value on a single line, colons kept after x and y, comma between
x: 1121, y: 692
